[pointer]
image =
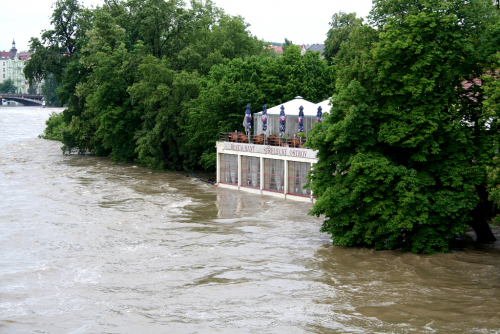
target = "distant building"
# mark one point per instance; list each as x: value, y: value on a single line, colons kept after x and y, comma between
x: 24, y: 55
x: 279, y: 49
x: 316, y: 48
x: 11, y: 67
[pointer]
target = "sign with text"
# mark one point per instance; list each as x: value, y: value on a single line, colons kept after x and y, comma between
x: 271, y: 150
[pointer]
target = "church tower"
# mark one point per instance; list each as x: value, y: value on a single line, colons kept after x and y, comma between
x: 13, y: 51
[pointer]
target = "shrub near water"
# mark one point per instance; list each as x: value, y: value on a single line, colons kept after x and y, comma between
x: 55, y: 127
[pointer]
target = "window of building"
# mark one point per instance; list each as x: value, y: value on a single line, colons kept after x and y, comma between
x: 229, y: 168
x: 297, y: 173
x: 274, y: 175
x: 4, y: 76
x: 250, y: 171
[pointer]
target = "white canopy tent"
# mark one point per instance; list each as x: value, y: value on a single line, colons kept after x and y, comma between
x: 292, y: 116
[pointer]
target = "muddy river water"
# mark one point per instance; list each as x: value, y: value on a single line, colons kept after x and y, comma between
x: 88, y: 246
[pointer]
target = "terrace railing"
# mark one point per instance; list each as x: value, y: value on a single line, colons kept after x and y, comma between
x: 272, y: 140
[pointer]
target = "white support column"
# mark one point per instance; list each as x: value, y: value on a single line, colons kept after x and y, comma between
x: 239, y: 170
x: 217, y: 172
x: 286, y: 178
x: 312, y: 195
x: 262, y: 176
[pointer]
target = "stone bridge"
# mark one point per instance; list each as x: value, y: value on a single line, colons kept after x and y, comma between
x: 25, y: 99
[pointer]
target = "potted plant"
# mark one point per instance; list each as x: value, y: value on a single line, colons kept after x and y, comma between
x: 284, y: 141
x: 301, y: 135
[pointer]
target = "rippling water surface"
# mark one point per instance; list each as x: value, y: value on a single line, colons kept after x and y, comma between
x: 87, y: 246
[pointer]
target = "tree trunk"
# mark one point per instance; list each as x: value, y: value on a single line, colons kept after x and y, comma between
x: 480, y: 225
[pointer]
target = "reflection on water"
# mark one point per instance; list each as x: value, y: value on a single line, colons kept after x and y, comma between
x: 87, y: 246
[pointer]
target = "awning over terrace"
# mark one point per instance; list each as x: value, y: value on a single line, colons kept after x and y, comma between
x: 292, y: 119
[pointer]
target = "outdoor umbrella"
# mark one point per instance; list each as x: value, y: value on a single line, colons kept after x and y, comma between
x: 301, y: 119
x: 282, y: 119
x: 264, y: 118
x: 248, y: 118
x: 319, y: 115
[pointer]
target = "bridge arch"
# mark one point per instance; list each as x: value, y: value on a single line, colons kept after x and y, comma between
x: 25, y: 99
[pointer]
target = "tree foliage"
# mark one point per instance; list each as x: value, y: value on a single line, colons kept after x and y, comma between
x: 49, y: 91
x: 8, y: 86
x: 341, y: 27
x: 256, y: 81
x: 403, y: 155
x: 55, y: 127
x: 57, y: 46
x: 163, y: 95
x: 129, y: 81
x: 491, y: 88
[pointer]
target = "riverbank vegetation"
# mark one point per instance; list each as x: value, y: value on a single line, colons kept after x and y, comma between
x: 406, y: 158
x: 414, y: 129
x: 155, y: 81
x: 55, y: 127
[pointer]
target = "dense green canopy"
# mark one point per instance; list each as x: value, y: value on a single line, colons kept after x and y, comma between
x: 341, y: 27
x: 403, y: 155
x: 155, y: 81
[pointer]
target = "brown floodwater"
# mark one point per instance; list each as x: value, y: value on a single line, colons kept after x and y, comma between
x: 88, y: 246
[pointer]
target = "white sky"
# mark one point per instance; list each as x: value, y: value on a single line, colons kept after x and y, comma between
x: 302, y: 22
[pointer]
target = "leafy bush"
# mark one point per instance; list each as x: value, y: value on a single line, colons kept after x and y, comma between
x: 55, y: 127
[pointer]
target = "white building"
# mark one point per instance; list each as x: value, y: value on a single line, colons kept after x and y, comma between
x: 261, y: 164
x: 11, y: 67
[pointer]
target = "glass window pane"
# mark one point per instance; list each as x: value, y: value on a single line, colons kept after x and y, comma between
x: 274, y: 175
x: 297, y: 173
x: 229, y: 168
x: 250, y: 171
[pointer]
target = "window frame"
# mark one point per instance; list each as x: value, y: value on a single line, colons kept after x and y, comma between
x: 254, y: 162
x: 228, y: 165
x: 268, y: 174
x: 303, y: 170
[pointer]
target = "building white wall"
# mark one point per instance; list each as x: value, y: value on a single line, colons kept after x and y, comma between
x: 3, y: 70
x: 264, y: 151
x: 13, y: 69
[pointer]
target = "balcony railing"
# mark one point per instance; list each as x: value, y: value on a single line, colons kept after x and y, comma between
x: 272, y: 140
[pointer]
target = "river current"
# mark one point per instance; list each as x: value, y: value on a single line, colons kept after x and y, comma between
x: 88, y: 246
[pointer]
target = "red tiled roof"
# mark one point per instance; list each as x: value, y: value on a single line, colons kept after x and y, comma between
x: 276, y: 48
x: 24, y: 55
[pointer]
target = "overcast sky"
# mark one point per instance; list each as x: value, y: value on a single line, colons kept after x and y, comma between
x: 301, y: 21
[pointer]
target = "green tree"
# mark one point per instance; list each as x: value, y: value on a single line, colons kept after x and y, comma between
x: 8, y: 86
x: 32, y: 89
x: 56, y: 127
x: 159, y: 24
x: 206, y: 36
x: 341, y: 27
x: 403, y: 155
x: 491, y: 88
x: 57, y: 46
x: 212, y: 37
x: 107, y: 122
x: 287, y: 44
x: 163, y: 94
x: 49, y: 91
